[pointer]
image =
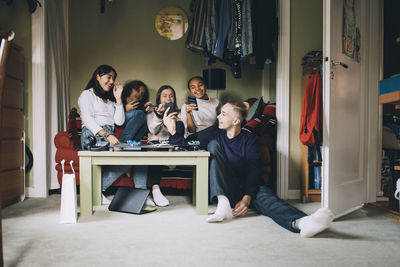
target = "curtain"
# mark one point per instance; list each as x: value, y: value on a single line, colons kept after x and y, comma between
x: 57, y: 79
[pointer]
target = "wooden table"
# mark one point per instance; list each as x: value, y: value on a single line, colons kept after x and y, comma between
x: 90, y: 172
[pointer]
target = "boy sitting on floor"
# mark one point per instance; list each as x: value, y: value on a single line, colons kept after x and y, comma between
x: 236, y: 178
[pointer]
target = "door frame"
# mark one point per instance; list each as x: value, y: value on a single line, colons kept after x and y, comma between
x: 283, y: 100
x: 374, y: 123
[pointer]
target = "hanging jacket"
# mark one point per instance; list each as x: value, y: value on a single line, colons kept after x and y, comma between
x: 196, y: 39
x: 311, y: 113
x: 234, y: 34
x: 247, y: 34
x: 211, y: 28
x: 223, y: 28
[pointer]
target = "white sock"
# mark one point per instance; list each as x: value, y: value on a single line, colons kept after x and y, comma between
x: 159, y: 198
x: 224, y: 210
x: 149, y: 202
x: 315, y: 223
x: 105, y: 200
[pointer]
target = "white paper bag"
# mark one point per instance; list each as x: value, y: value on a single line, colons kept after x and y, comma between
x: 397, y: 193
x: 69, y: 208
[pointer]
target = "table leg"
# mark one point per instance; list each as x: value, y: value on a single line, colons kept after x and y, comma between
x: 202, y: 187
x: 85, y: 174
x: 96, y: 180
x: 194, y: 185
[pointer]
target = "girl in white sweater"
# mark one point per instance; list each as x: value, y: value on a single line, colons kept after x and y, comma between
x: 200, y: 119
x: 101, y: 106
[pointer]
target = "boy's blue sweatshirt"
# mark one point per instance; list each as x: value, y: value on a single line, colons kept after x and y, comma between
x: 243, y: 154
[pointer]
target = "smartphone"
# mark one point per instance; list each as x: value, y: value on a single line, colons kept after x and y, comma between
x: 192, y: 100
x: 171, y: 107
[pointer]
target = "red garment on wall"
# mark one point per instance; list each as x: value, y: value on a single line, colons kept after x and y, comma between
x: 311, y: 113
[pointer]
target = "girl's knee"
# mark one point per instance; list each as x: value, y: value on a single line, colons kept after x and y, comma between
x: 135, y: 114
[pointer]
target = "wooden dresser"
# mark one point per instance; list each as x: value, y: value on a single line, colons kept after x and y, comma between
x: 12, y: 155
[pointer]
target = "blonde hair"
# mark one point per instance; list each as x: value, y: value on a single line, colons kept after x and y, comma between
x: 240, y: 108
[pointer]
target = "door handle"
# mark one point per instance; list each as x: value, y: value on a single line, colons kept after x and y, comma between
x: 333, y: 64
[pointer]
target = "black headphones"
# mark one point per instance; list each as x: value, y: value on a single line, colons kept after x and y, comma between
x: 91, y: 142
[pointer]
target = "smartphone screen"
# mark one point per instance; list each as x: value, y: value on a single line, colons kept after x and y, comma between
x: 192, y: 100
x: 171, y: 107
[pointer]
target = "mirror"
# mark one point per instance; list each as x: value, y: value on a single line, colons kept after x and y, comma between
x: 171, y: 23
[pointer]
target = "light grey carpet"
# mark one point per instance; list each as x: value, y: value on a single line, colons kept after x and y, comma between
x: 175, y: 236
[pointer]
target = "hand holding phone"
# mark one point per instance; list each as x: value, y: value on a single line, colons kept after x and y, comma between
x: 171, y: 107
x: 192, y: 100
x: 132, y: 105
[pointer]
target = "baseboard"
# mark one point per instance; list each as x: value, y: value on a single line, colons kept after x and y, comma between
x: 294, y: 194
x: 32, y: 192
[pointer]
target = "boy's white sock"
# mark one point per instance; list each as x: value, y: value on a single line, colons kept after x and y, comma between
x: 159, y: 198
x: 315, y: 223
x: 149, y: 202
x: 224, y: 210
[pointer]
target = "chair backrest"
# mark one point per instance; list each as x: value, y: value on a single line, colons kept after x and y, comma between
x: 75, y: 128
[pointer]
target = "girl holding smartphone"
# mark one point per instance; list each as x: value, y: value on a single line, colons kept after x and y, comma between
x: 135, y: 97
x: 165, y: 102
x: 199, y: 118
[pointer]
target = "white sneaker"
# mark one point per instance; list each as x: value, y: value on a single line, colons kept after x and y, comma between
x: 105, y: 200
x: 149, y: 202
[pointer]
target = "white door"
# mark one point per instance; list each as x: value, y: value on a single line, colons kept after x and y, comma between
x: 345, y: 130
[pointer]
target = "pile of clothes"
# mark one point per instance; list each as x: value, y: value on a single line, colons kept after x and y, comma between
x: 234, y: 30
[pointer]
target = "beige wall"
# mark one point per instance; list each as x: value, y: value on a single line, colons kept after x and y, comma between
x: 306, y: 35
x: 125, y: 38
x: 17, y: 18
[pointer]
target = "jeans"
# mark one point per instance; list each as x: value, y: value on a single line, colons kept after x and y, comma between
x: 224, y: 182
x: 155, y: 174
x: 268, y: 204
x: 222, y: 179
x: 86, y: 133
x: 135, y: 126
x: 112, y: 173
